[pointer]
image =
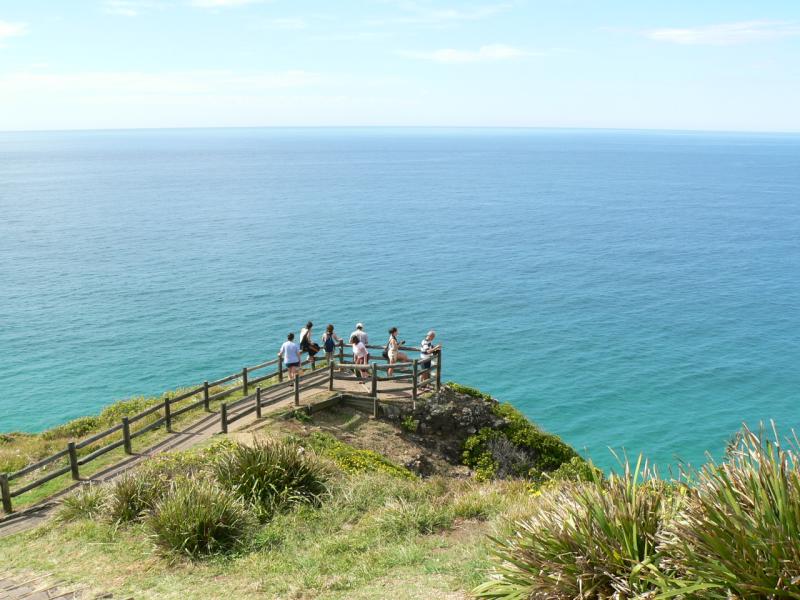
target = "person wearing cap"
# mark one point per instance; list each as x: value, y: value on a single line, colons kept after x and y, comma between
x: 362, y: 337
x: 426, y: 353
x: 361, y: 334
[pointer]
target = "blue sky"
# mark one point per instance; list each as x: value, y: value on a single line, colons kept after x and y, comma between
x: 710, y: 65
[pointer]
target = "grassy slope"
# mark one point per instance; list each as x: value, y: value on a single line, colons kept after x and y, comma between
x: 18, y: 450
x: 378, y: 536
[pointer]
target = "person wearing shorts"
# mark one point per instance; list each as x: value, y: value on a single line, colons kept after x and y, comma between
x: 393, y: 353
x: 290, y: 355
x: 426, y: 352
x: 360, y: 355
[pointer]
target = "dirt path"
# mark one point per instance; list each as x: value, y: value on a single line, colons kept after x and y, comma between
x: 275, y: 398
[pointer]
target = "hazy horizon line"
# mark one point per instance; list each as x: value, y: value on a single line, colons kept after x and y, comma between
x: 412, y: 127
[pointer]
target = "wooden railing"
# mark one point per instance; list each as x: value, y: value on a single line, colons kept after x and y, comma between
x: 167, y: 410
x: 167, y: 413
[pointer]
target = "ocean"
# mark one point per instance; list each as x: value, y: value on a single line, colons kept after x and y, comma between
x: 624, y: 289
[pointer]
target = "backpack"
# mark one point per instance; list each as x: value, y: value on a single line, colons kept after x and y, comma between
x: 329, y: 343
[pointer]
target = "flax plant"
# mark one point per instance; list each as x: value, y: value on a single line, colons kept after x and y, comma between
x: 739, y: 533
x: 594, y: 539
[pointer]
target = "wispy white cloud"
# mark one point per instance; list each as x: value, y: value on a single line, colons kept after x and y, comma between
x: 291, y: 23
x: 200, y: 82
x: 416, y: 14
x: 222, y: 3
x: 131, y: 8
x: 491, y: 52
x: 9, y: 29
x: 727, y: 34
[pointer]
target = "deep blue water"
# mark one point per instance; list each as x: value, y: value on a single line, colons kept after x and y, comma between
x: 624, y: 289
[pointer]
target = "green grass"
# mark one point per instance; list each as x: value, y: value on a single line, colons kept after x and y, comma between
x: 375, y: 532
x: 353, y: 460
x: 18, y: 450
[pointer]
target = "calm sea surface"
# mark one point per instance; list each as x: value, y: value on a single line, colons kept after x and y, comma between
x: 624, y: 289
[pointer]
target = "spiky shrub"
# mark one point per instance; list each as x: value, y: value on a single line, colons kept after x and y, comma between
x: 739, y: 533
x: 134, y: 495
x: 272, y: 475
x: 88, y: 502
x: 197, y: 518
x: 584, y: 540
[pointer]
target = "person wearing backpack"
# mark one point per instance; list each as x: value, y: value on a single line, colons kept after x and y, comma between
x: 329, y: 342
x: 306, y: 343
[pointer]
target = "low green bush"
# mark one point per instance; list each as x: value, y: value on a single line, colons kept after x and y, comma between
x: 576, y: 469
x: 409, y: 424
x: 272, y: 475
x: 739, y: 533
x: 354, y: 460
x: 73, y: 429
x: 592, y: 539
x: 88, y: 502
x: 197, y: 518
x: 469, y: 391
x: 517, y: 449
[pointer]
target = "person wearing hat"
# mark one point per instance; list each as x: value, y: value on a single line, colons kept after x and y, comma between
x: 426, y: 352
x: 362, y: 337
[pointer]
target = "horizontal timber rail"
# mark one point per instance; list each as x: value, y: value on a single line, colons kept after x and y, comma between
x: 254, y: 399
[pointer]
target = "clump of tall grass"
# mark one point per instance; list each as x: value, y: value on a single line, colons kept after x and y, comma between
x: 197, y: 518
x: 401, y: 517
x: 585, y: 540
x: 272, y: 475
x: 88, y: 502
x: 132, y: 496
x: 739, y: 532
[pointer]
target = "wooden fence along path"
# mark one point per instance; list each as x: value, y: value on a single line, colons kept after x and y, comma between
x: 369, y: 382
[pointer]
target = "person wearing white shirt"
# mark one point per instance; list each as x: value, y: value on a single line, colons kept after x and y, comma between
x: 290, y: 355
x: 360, y: 354
x: 426, y: 352
x: 362, y: 336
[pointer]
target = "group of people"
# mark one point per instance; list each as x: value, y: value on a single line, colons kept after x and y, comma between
x: 291, y: 352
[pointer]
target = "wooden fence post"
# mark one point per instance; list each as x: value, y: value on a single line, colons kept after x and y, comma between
x: 73, y: 461
x: 244, y: 381
x: 258, y: 403
x: 341, y: 350
x: 167, y: 415
x: 330, y: 375
x: 414, y: 385
x: 438, y: 370
x: 223, y: 416
x: 375, y: 380
x: 5, y: 493
x: 206, y: 402
x: 280, y: 369
x: 126, y: 435
x: 297, y: 388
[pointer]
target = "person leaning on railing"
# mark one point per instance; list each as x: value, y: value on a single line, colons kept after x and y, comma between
x: 329, y: 341
x: 290, y: 355
x: 426, y: 353
x: 360, y: 355
x: 392, y: 350
x: 362, y: 336
x: 307, y: 343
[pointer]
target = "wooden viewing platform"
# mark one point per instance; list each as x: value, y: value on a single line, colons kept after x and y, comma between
x: 367, y: 387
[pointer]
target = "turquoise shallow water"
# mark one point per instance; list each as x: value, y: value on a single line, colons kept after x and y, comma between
x: 623, y: 289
